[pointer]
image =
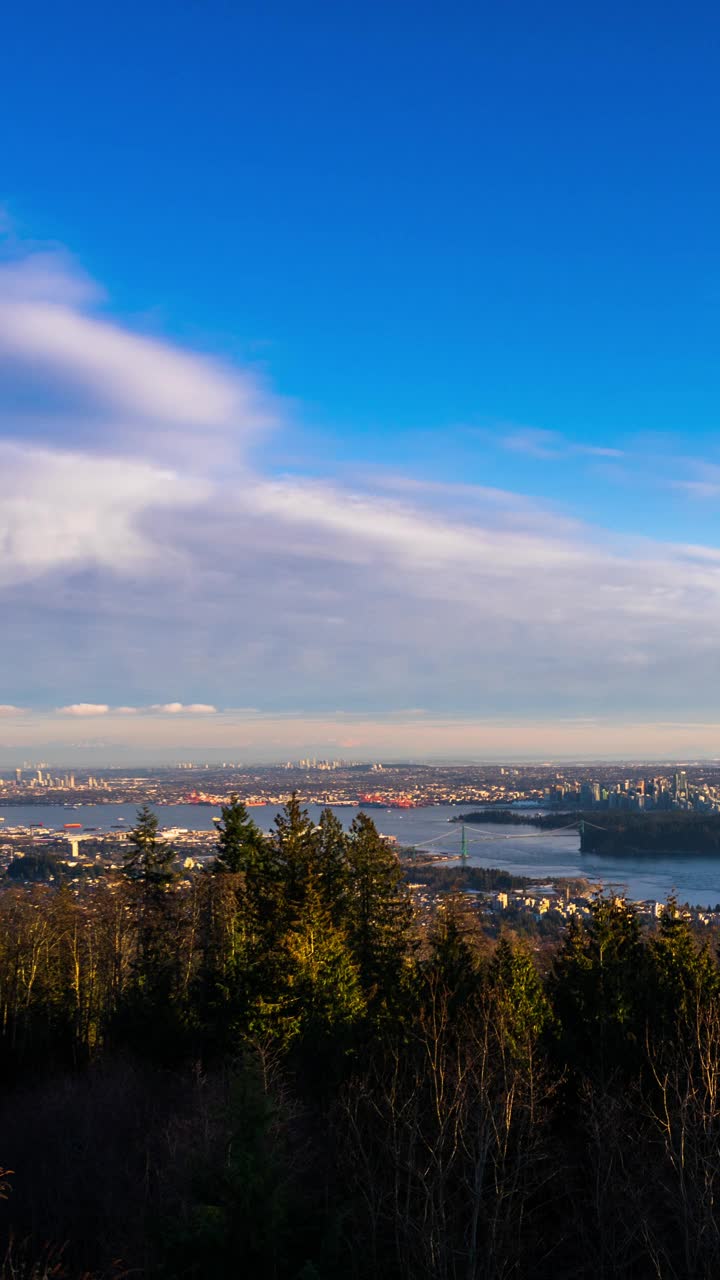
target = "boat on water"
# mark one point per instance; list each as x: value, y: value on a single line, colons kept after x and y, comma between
x: 376, y: 800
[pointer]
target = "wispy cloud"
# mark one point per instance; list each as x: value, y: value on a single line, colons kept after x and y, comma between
x: 704, y: 479
x: 139, y: 568
x: 125, y: 391
x: 537, y: 443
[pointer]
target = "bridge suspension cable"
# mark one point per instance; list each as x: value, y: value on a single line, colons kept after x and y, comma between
x: 483, y: 838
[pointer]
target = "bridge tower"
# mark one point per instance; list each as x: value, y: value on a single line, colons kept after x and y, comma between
x: 463, y: 846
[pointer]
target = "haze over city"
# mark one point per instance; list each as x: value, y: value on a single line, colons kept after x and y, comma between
x: 380, y: 424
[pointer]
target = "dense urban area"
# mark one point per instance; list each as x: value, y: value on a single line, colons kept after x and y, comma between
x: 73, y: 853
x: 632, y: 786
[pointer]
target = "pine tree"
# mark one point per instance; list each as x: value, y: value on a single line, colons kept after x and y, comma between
x: 148, y: 860
x: 323, y: 986
x: 682, y: 975
x: 330, y: 856
x: 453, y: 960
x: 598, y: 989
x: 241, y: 844
x: 151, y: 1013
x: 522, y: 1008
x: 379, y: 910
x: 294, y: 848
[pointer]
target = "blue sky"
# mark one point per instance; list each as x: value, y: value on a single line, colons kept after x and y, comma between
x: 359, y: 377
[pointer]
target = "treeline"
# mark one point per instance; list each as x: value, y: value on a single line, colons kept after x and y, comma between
x: 270, y: 1071
x: 619, y: 832
x: 447, y: 878
x: 637, y: 833
x: 517, y: 817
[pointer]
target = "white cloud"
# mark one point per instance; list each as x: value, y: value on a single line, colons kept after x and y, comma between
x: 189, y: 709
x: 7, y: 709
x: 135, y: 375
x: 69, y: 509
x: 85, y: 709
x: 48, y: 275
x: 101, y: 709
x: 93, y: 380
x: 131, y: 561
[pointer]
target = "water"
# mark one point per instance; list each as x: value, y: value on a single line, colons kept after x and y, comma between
x: 522, y: 850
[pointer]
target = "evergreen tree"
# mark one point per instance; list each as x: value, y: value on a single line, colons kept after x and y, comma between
x: 521, y: 1005
x: 294, y: 848
x: 148, y: 859
x: 379, y: 910
x: 151, y: 1014
x: 319, y: 992
x: 682, y: 976
x: 598, y: 989
x: 453, y: 959
x: 241, y: 844
x: 330, y: 856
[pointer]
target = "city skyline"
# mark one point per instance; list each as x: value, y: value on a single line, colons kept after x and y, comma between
x: 383, y: 426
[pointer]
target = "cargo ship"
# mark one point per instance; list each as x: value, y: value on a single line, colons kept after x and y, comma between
x: 375, y: 800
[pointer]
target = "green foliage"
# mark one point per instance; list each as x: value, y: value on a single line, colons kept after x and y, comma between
x: 453, y: 962
x: 651, y: 833
x: 148, y: 859
x: 330, y: 855
x: 521, y: 1003
x: 317, y: 995
x: 682, y: 976
x: 379, y: 915
x: 294, y: 847
x: 35, y: 868
x: 598, y: 989
x: 330, y: 1088
x: 241, y: 844
x: 451, y: 879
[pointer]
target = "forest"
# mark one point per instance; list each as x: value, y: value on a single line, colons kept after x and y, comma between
x: 518, y: 817
x: 650, y: 833
x: 272, y: 1069
x: 680, y: 831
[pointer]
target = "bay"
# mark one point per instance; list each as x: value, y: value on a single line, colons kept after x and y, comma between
x: 521, y: 850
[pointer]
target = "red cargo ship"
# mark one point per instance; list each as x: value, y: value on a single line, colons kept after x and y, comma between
x: 375, y: 800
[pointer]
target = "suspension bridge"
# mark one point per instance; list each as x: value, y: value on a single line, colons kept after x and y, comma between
x: 467, y: 839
